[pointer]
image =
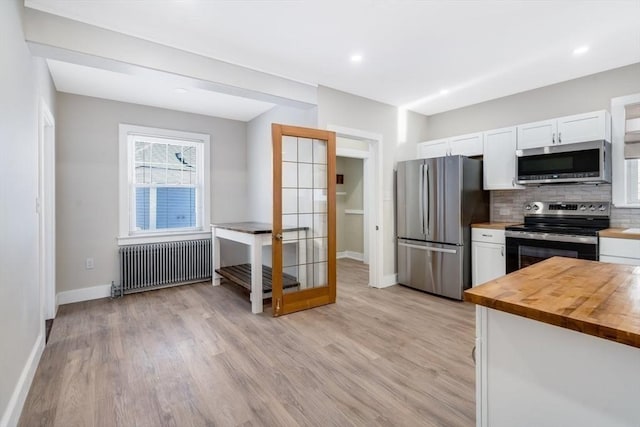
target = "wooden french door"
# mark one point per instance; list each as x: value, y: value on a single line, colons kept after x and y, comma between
x: 304, y: 218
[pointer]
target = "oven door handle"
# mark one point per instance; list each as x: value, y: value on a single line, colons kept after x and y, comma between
x: 569, y: 238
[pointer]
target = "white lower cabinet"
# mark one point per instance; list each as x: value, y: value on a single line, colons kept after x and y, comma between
x: 487, y: 255
x: 620, y: 251
x: 532, y: 374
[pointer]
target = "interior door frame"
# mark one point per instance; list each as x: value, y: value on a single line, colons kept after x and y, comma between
x: 46, y: 213
x: 373, y: 195
x: 308, y: 298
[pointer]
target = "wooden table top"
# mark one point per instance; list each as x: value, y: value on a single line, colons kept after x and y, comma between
x: 595, y: 298
x: 253, y: 227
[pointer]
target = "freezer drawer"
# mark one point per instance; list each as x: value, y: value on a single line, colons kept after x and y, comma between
x: 432, y: 267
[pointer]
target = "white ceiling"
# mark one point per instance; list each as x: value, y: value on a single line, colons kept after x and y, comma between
x: 412, y: 50
x: 160, y: 91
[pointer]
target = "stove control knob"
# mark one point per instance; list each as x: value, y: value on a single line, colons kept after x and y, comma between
x: 592, y: 208
x: 583, y: 207
x: 528, y: 207
x: 602, y: 208
x: 536, y: 207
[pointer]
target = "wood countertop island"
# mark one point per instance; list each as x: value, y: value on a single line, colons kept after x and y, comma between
x: 558, y: 344
x: 595, y: 298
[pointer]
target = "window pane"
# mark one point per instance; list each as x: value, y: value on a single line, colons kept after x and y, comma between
x: 159, y: 174
x: 169, y: 171
x: 175, y: 207
x: 143, y: 156
x: 174, y: 174
x: 159, y: 153
x: 142, y: 208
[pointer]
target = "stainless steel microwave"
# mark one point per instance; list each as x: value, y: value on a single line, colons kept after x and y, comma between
x: 583, y: 162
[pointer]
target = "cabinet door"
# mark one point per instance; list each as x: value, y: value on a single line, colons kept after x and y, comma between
x: 466, y: 145
x: 499, y: 167
x: 488, y: 262
x: 584, y: 127
x: 538, y: 134
x: 435, y: 148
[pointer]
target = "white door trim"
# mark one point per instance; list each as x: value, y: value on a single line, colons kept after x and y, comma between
x: 46, y: 210
x: 372, y: 186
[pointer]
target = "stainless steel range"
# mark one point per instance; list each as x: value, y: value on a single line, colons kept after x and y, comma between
x: 568, y: 229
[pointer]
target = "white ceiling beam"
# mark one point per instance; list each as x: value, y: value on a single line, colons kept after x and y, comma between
x: 63, y: 39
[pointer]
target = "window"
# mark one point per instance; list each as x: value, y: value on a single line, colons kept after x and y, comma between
x: 164, y: 177
x: 626, y: 151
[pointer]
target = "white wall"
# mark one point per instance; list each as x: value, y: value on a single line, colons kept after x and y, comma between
x: 351, y: 111
x: 87, y: 179
x: 24, y: 80
x: 589, y: 93
x: 259, y: 159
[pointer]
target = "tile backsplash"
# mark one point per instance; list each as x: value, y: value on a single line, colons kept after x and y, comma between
x: 506, y: 205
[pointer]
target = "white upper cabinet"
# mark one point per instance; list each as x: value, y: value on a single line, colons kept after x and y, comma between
x: 584, y: 127
x: 435, y: 148
x: 500, y: 159
x: 565, y: 130
x: 464, y: 145
x: 537, y: 134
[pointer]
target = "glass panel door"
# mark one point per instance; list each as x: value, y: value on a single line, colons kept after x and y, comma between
x: 304, y: 248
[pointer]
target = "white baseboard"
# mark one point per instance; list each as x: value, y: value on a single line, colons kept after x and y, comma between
x: 358, y: 256
x: 11, y: 415
x: 83, y: 294
x: 389, y: 280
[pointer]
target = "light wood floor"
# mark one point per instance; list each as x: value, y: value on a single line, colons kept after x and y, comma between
x: 195, y: 356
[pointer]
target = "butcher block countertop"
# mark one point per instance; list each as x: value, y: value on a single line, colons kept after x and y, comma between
x: 492, y: 225
x: 621, y: 233
x: 595, y: 298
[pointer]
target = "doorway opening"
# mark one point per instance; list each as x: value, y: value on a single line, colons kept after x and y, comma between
x: 354, y: 144
x: 350, y: 227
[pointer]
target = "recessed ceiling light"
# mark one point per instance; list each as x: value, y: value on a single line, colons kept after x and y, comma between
x: 444, y: 91
x: 356, y: 58
x: 581, y: 50
x: 180, y: 90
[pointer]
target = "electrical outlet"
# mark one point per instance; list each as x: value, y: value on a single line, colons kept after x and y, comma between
x: 88, y: 264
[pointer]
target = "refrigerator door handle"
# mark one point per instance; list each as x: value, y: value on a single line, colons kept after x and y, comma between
x: 428, y: 204
x: 421, y: 197
x: 428, y: 248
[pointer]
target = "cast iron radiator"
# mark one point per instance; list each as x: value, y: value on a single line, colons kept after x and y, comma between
x: 157, y: 265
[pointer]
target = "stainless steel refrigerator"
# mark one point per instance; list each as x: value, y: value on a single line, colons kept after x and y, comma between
x: 437, y: 200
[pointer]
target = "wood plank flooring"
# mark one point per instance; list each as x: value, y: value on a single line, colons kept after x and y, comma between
x: 196, y: 356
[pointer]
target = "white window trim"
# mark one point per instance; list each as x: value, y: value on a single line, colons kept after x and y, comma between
x: 125, y: 236
x: 618, y: 165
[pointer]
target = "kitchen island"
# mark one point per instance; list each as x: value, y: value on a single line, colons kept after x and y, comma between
x: 558, y: 344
